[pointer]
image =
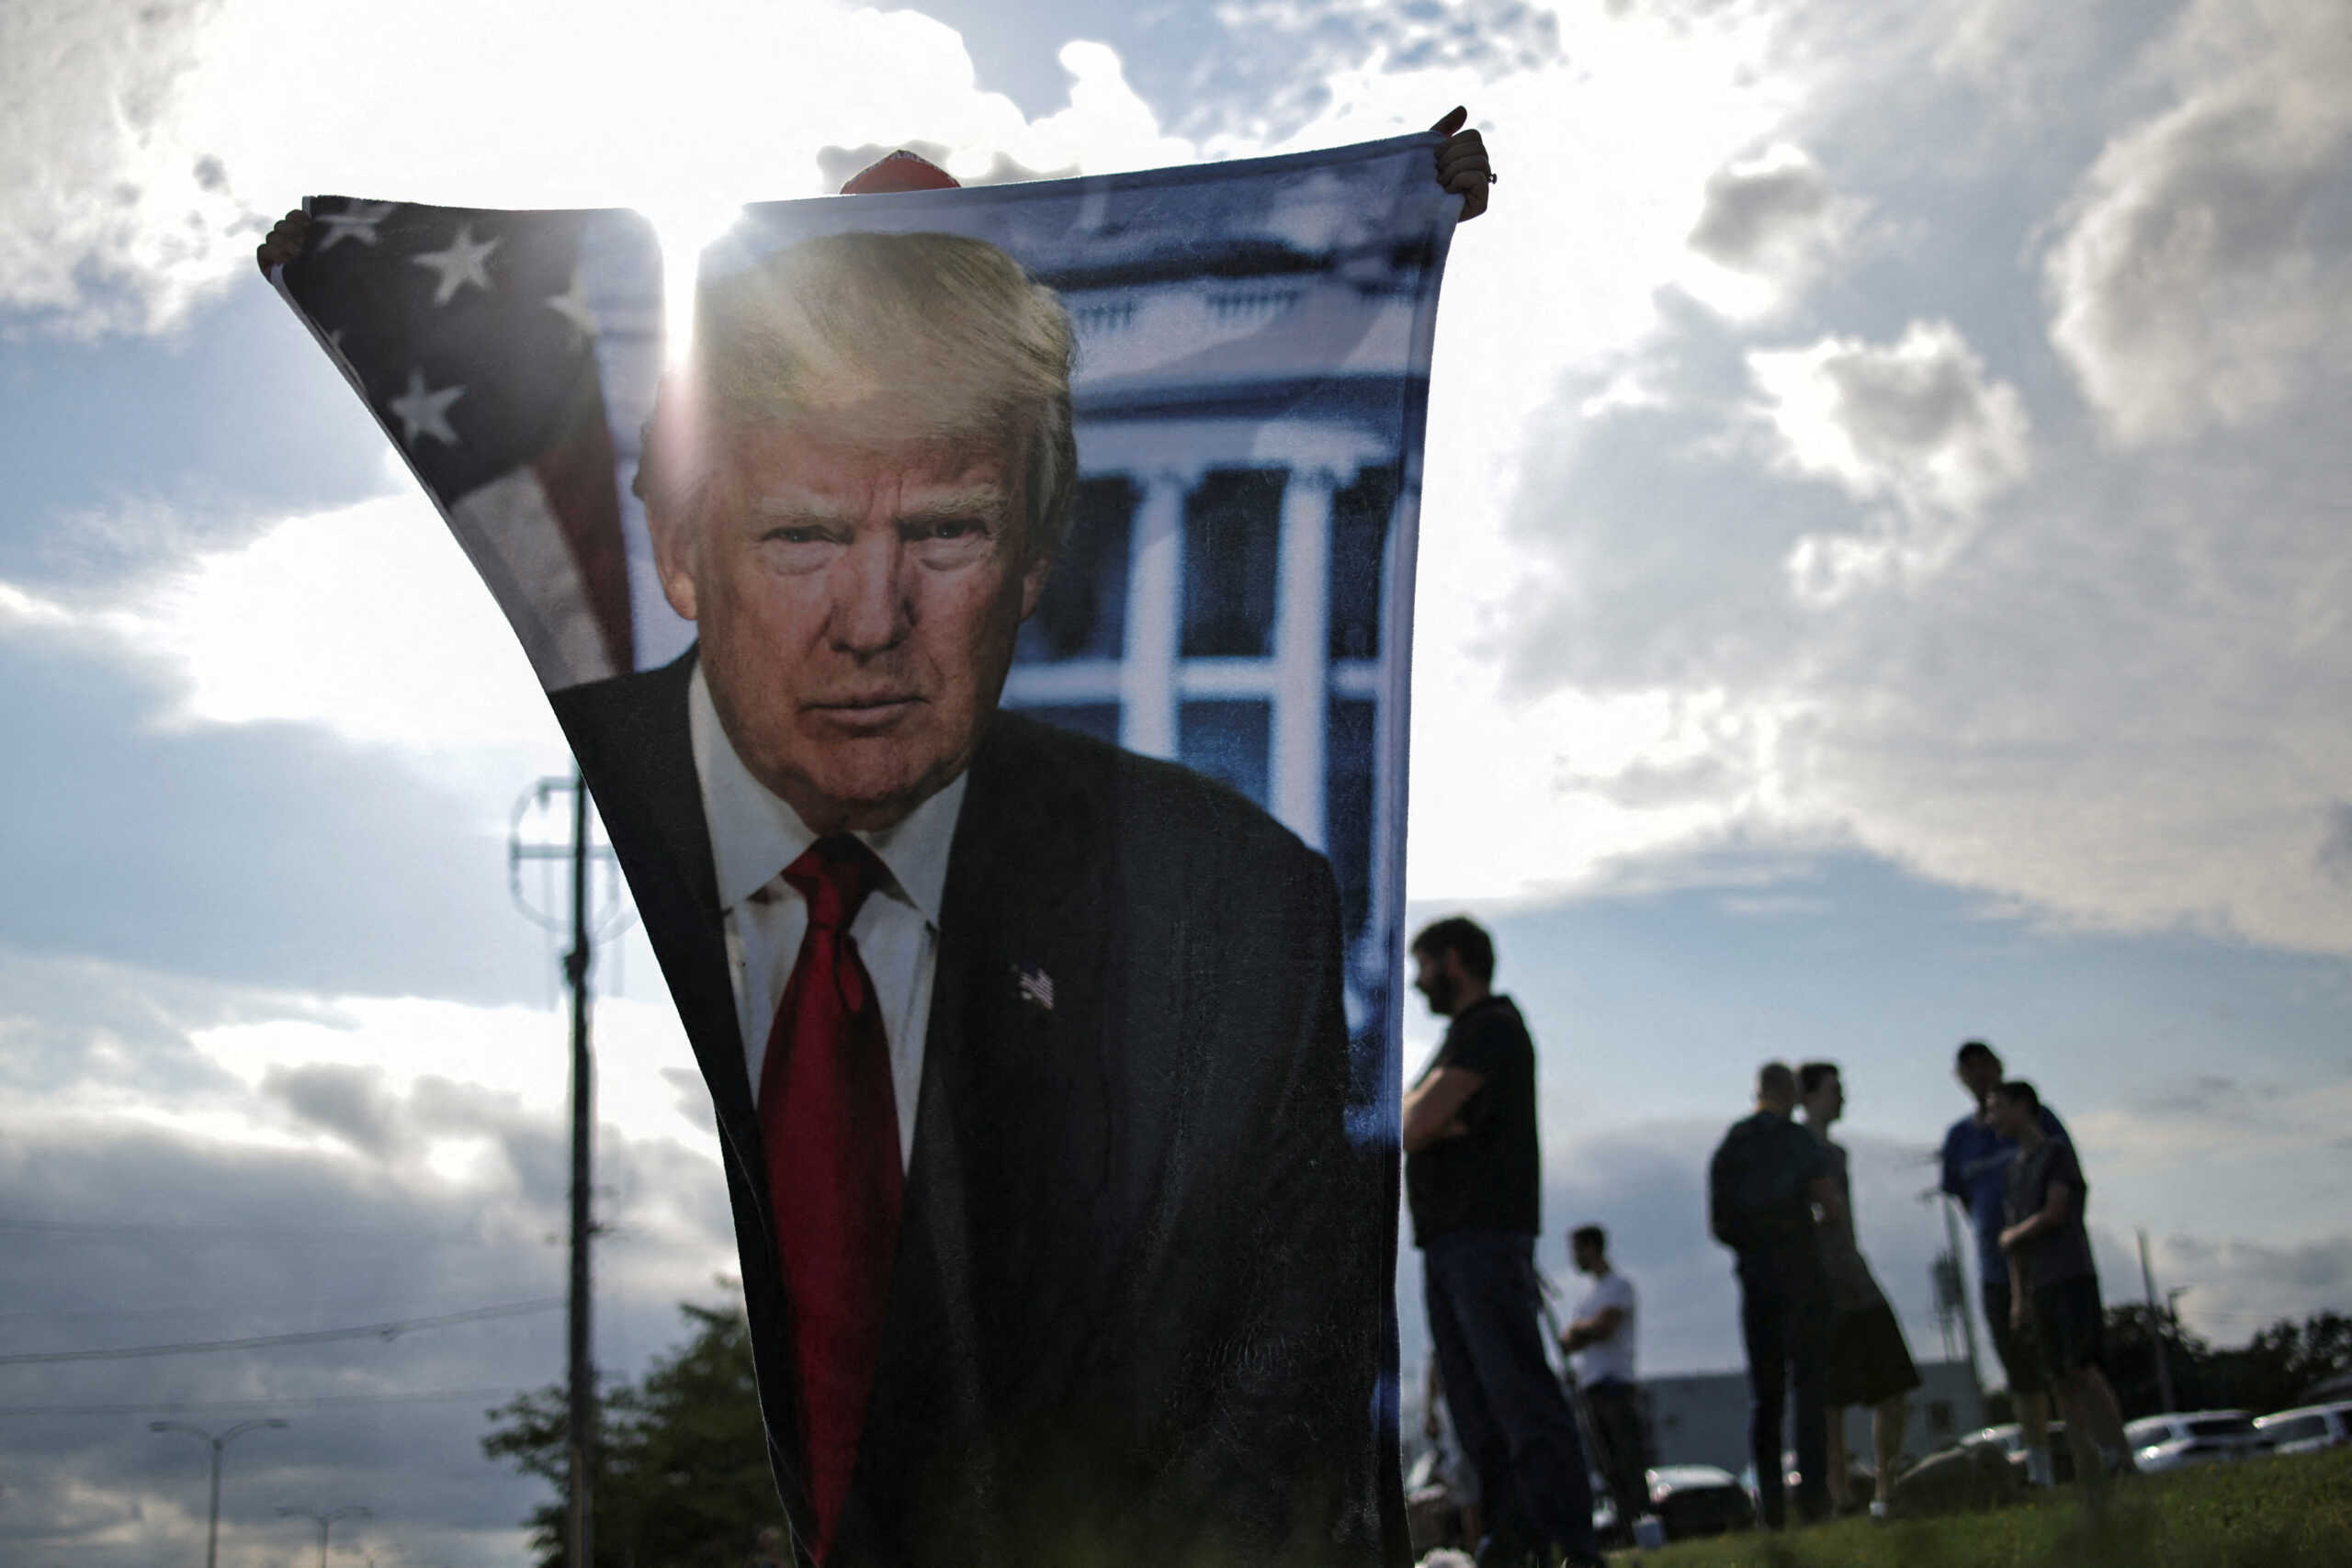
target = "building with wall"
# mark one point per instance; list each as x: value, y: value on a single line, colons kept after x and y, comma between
x: 1701, y: 1418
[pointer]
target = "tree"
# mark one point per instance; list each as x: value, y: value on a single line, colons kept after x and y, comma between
x: 2271, y: 1372
x: 2133, y: 1332
x: 681, y: 1475
x: 2283, y: 1360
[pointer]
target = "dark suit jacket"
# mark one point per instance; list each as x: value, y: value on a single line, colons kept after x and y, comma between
x: 1140, y: 1305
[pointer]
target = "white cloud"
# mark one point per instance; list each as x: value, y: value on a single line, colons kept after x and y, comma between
x: 395, y: 1105
x: 2201, y: 275
x: 1917, y: 422
x: 141, y: 1237
x: 2215, y: 1120
x: 1593, y: 782
x: 142, y: 145
x: 2234, y: 1288
x: 1600, y: 138
x: 1768, y: 227
x: 113, y: 211
x: 358, y: 1072
x: 2103, y: 685
x: 2117, y: 699
x: 1107, y: 126
x: 366, y: 620
x: 20, y: 609
x: 1290, y: 62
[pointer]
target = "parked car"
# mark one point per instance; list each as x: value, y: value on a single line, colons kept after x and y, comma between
x: 2309, y: 1428
x: 1860, y: 1483
x: 2201, y: 1437
x: 2009, y: 1438
x: 1432, y: 1513
x: 1699, y: 1499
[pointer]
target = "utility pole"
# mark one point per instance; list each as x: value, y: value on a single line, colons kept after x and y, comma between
x: 1960, y: 1277
x: 2156, y: 1327
x: 326, y: 1522
x: 580, y: 1445
x: 212, y: 1529
x: 1951, y: 1279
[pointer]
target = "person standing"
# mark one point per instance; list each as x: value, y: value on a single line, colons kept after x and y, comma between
x: 2053, y: 1281
x: 1472, y: 1177
x: 1869, y: 1363
x: 1762, y: 1186
x: 1976, y: 1170
x: 1600, y: 1339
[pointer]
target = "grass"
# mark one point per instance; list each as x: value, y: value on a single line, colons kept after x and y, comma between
x: 2293, y: 1511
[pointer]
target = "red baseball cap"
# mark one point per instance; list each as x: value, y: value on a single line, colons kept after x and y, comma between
x: 900, y: 171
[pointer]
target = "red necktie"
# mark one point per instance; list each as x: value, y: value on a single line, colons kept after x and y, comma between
x: 831, y: 1122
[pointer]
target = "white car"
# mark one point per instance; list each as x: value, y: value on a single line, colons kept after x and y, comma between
x: 2200, y: 1437
x: 1699, y: 1499
x: 2308, y: 1429
x: 2010, y: 1439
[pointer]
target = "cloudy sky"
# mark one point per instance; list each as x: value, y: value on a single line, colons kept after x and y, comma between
x: 1884, y: 581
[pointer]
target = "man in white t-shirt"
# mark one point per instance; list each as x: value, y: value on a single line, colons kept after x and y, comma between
x: 1600, y: 1341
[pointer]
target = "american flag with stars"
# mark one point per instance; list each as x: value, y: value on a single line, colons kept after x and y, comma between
x: 1036, y: 986
x: 471, y: 336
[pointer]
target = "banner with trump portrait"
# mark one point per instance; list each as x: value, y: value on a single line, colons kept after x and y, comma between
x: 986, y: 642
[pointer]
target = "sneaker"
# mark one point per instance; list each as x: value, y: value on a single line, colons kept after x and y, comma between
x: 1877, y: 1509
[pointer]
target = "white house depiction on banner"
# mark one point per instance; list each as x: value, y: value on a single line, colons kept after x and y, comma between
x: 1221, y: 598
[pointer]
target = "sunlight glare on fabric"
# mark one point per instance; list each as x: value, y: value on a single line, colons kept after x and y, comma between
x: 684, y: 227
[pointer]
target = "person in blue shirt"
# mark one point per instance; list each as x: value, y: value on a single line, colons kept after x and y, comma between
x: 1976, y: 1170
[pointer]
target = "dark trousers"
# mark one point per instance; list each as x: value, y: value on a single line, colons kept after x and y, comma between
x: 1784, y: 1319
x: 1508, y: 1410
x: 1615, y: 1410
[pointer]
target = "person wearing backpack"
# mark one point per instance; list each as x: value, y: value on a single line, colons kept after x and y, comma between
x: 1766, y: 1178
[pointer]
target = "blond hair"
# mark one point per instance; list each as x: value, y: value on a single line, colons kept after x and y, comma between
x: 949, y: 333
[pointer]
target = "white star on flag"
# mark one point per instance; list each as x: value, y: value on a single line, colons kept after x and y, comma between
x: 462, y: 262
x: 572, y: 305
x: 356, y: 222
x: 425, y: 413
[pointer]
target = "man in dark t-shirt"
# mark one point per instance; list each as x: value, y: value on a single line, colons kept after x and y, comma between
x: 1473, y: 1174
x: 2054, y: 1284
x: 1762, y: 1186
x: 1976, y: 1169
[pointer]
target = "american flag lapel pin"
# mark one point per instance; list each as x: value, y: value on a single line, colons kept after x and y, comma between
x: 1036, y: 986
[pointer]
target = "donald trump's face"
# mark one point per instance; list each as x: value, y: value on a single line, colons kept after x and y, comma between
x: 856, y: 597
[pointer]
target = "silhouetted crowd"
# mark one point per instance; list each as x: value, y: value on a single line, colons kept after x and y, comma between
x: 1819, y: 1334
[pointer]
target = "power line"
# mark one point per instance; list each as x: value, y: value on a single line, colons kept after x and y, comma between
x: 314, y: 1337
x: 232, y: 1406
x: 98, y: 1229
x: 77, y: 1312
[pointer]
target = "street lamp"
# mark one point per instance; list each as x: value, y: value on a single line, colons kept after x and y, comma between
x: 326, y: 1522
x: 212, y: 1531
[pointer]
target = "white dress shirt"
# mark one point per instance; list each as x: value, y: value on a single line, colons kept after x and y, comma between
x: 754, y: 836
x: 1610, y: 1359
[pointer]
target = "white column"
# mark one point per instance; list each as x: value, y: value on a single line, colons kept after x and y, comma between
x: 1392, y: 697
x: 1302, y: 646
x: 1155, y: 617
